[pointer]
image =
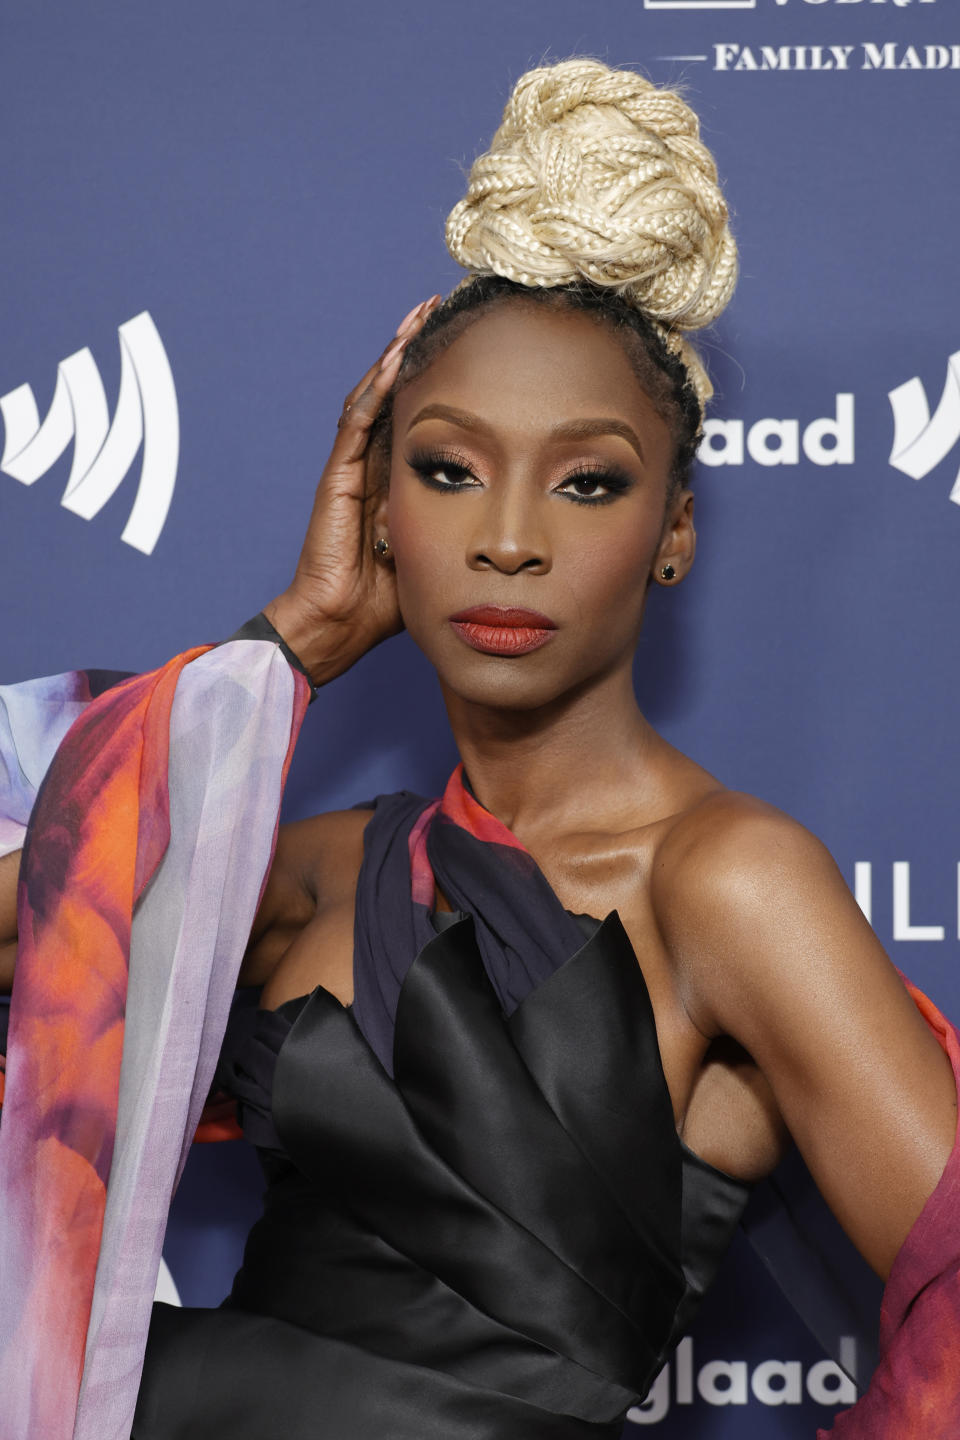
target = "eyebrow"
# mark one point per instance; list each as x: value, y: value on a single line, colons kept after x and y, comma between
x: 567, y: 430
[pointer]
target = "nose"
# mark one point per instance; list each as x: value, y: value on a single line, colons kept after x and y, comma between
x: 509, y: 535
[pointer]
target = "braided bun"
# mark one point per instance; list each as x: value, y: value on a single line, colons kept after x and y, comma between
x: 596, y: 174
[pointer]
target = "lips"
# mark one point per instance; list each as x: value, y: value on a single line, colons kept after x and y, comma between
x: 503, y: 629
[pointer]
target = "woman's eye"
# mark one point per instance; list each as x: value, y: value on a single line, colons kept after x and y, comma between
x: 593, y: 487
x: 587, y: 485
x: 448, y: 474
x: 441, y: 474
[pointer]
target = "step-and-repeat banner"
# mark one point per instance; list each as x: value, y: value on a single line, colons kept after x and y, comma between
x: 213, y: 216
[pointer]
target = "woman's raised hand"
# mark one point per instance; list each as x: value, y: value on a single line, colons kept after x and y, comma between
x: 343, y: 598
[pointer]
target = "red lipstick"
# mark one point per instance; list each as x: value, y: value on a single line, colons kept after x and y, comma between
x: 503, y: 629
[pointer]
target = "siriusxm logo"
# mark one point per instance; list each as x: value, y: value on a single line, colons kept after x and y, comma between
x: 103, y: 452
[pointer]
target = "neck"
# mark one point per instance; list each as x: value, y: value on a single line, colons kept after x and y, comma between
x: 578, y: 763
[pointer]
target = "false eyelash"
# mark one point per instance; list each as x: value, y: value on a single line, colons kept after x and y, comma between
x: 426, y: 461
x: 615, y: 481
x: 457, y: 464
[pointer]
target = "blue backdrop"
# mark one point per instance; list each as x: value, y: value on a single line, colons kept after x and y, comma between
x: 261, y: 188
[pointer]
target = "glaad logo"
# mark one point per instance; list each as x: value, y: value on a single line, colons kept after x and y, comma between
x: 920, y: 441
x: 103, y: 453
x: 732, y: 1382
x: 827, y: 441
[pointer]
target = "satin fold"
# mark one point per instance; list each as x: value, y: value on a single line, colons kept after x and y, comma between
x: 493, y: 1194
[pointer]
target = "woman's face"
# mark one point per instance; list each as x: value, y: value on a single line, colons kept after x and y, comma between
x: 529, y: 470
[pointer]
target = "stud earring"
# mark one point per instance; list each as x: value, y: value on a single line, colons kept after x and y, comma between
x: 667, y: 572
x: 381, y: 547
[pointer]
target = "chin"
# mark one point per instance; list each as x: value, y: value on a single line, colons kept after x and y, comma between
x: 504, y: 696
x: 506, y: 684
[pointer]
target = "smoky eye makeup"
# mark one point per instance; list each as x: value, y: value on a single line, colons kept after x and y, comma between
x: 431, y: 464
x: 591, y: 483
x: 581, y: 483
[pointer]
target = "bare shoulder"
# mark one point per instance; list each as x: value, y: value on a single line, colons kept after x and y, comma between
x: 730, y: 841
x: 323, y: 853
x: 732, y: 872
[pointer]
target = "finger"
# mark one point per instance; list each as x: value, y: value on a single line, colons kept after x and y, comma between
x: 357, y: 420
x: 344, y: 470
x: 359, y: 413
x: 408, y: 326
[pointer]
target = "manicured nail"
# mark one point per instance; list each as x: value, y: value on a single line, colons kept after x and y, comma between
x: 391, y: 354
x: 409, y: 319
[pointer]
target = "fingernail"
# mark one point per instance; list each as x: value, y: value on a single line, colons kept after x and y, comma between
x: 408, y: 319
x: 390, y: 354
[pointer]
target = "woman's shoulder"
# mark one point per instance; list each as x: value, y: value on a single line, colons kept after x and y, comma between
x: 730, y: 853
x: 736, y: 885
x: 723, y: 835
x: 322, y: 854
x: 730, y: 850
x: 314, y: 872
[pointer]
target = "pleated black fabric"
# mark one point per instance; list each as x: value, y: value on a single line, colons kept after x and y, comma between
x: 481, y: 1223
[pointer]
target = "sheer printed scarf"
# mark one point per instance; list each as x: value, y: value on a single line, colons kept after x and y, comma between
x: 148, y: 840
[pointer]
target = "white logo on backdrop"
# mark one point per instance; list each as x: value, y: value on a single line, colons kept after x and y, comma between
x: 921, y: 441
x: 889, y: 55
x: 103, y: 453
x: 737, y: 58
x: 828, y: 440
x: 733, y: 1382
x: 905, y: 925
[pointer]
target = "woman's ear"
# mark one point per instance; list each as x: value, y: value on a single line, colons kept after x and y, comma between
x: 378, y: 493
x: 678, y: 543
x: 380, y: 519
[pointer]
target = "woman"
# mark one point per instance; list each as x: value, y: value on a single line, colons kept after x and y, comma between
x: 522, y: 1052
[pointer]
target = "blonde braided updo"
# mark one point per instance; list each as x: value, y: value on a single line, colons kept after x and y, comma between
x: 597, y: 195
x: 596, y: 174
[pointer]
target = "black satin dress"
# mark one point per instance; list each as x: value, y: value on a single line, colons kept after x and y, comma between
x: 504, y: 1241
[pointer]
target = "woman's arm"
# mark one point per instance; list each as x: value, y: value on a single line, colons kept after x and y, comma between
x: 773, y: 950
x: 315, y: 860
